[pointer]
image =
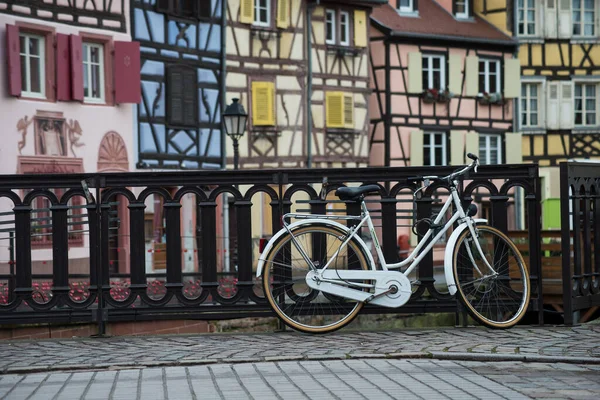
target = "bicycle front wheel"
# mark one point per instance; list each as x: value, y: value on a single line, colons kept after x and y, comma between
x: 284, y: 278
x: 496, y: 297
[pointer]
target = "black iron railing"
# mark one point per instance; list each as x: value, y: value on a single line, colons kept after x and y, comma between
x: 580, y: 219
x: 178, y: 262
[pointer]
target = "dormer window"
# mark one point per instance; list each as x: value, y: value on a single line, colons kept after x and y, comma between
x: 407, y: 6
x: 461, y: 9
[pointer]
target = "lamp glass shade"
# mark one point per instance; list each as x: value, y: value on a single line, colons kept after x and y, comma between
x: 235, y: 118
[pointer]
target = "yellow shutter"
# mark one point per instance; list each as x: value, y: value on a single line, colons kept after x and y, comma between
x: 360, y: 28
x: 283, y: 12
x: 334, y: 104
x: 415, y: 72
x: 348, y: 110
x: 247, y: 11
x: 263, y: 103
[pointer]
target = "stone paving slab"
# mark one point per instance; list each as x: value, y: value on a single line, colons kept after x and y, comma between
x: 333, y: 379
x: 579, y: 344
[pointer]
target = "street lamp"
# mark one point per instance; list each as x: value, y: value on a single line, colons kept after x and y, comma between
x: 235, y: 118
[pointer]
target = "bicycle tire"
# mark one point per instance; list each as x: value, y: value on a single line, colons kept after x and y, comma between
x: 292, y: 299
x: 476, y: 289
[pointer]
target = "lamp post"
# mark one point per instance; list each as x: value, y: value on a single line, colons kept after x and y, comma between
x: 235, y: 118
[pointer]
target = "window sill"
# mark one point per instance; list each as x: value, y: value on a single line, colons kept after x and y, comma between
x: 264, y: 32
x: 538, y: 130
x: 343, y: 50
x: 531, y: 39
x: 265, y: 130
x: 33, y: 96
x: 410, y: 14
x: 94, y: 102
x: 584, y: 130
x: 341, y: 131
x: 585, y: 40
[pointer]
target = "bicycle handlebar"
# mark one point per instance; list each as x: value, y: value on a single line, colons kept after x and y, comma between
x: 452, y: 176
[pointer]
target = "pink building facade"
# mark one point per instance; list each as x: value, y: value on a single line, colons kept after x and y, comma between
x: 444, y: 81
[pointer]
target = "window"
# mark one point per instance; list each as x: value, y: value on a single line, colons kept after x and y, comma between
x: 262, y: 12
x: 584, y: 17
x: 586, y: 104
x: 93, y: 73
x: 490, y: 148
x: 530, y: 96
x: 462, y: 8
x: 182, y: 96
x: 434, y: 72
x: 489, y: 76
x: 330, y: 27
x: 435, y: 149
x: 337, y: 27
x: 407, y: 6
x: 527, y: 20
x: 344, y: 28
x: 32, y: 65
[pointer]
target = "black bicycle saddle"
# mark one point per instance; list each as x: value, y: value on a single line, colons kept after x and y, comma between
x: 356, y: 193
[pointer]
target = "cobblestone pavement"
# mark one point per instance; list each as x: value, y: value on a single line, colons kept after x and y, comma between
x: 329, y: 379
x: 579, y: 344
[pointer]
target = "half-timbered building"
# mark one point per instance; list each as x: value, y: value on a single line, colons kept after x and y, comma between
x: 285, y: 54
x: 559, y: 107
x: 69, y: 78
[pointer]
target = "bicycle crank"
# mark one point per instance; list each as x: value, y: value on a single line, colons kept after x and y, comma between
x: 391, y: 289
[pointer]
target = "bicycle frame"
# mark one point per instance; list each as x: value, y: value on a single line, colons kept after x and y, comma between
x: 418, y: 253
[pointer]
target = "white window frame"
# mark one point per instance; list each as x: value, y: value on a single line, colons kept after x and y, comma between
x: 525, y: 21
x: 528, y: 98
x: 582, y: 22
x: 464, y: 14
x: 430, y: 70
x: 431, y: 147
x: 345, y: 28
x: 485, y: 155
x: 258, y: 8
x: 583, y: 103
x: 486, y: 73
x: 26, y: 91
x: 87, y: 65
x: 410, y: 9
x: 330, y: 20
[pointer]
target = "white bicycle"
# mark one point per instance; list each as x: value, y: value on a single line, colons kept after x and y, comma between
x: 318, y: 274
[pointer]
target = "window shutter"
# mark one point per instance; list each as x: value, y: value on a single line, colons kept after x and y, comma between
x: 472, y: 76
x: 128, y: 86
x: 204, y: 10
x: 334, y: 104
x: 415, y: 72
x: 360, y: 28
x: 565, y: 28
x: 63, y: 72
x: 283, y: 13
x: 263, y: 94
x: 512, y: 78
x: 76, y: 67
x: 13, y: 55
x: 566, y: 105
x: 550, y: 19
x: 455, y: 73
x: 416, y: 148
x: 552, y: 105
x: 247, y: 11
x: 512, y: 141
x: 181, y: 96
x: 348, y: 111
x: 457, y: 148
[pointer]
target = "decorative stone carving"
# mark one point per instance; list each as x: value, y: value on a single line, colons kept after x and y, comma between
x: 112, y: 155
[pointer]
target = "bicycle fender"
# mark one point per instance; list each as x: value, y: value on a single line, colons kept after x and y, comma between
x: 337, y: 225
x: 450, y: 249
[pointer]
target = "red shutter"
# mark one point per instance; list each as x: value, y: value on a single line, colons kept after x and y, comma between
x: 13, y: 55
x: 63, y: 68
x: 128, y: 87
x: 76, y: 67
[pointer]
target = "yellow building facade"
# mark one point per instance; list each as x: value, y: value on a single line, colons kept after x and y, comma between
x: 559, y: 107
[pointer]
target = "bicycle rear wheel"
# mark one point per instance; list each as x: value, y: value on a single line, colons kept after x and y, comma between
x: 299, y: 306
x: 499, y: 298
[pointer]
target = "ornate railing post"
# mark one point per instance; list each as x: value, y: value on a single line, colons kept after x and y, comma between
x: 60, y: 251
x: 244, y: 243
x: 173, y: 233
x: 23, y: 251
